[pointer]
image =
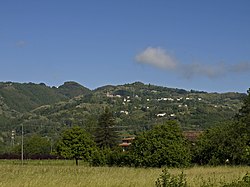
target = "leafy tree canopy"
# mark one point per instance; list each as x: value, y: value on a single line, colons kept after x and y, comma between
x: 76, y: 144
x: 244, y: 112
x: 226, y: 143
x: 164, y: 145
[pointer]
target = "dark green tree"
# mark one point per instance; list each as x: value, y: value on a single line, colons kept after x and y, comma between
x: 164, y: 145
x: 76, y: 144
x: 106, y: 135
x: 228, y: 141
x: 244, y: 113
x: 225, y: 143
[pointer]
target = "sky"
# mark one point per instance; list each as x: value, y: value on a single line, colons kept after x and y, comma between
x: 200, y: 45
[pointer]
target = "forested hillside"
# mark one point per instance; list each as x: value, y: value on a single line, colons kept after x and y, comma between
x: 17, y: 100
x: 27, y: 96
x: 48, y: 110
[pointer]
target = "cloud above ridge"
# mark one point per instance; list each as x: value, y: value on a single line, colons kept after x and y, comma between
x: 161, y: 59
x: 157, y: 57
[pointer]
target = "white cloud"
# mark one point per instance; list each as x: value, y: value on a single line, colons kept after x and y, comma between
x: 157, y: 57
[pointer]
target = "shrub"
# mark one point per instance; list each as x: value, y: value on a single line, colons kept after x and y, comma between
x: 168, y: 180
x: 110, y: 157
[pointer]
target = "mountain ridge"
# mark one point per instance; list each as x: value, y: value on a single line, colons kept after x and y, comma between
x: 136, y: 106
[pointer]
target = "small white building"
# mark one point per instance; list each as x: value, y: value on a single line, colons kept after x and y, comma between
x: 124, y: 112
x: 161, y: 114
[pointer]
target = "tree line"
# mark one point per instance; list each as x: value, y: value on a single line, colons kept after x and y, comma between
x: 162, y: 145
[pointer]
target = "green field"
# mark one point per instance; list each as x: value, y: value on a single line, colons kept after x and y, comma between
x: 65, y: 173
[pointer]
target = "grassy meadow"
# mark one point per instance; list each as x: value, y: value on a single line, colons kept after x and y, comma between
x: 64, y: 173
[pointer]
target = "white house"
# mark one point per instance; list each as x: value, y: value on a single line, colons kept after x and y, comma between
x: 124, y: 112
x: 161, y: 115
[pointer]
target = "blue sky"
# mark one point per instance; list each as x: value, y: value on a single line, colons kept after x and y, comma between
x: 201, y: 45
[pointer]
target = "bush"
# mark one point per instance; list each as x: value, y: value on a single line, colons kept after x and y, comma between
x: 98, y: 158
x: 168, y: 180
x: 110, y: 157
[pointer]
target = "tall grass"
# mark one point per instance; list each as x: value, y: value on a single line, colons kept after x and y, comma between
x: 66, y: 174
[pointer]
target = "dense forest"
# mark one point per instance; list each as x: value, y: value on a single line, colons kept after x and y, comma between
x: 46, y: 112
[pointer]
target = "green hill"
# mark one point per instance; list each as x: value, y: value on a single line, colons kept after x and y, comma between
x: 136, y: 106
x: 72, y: 89
x: 27, y: 96
x: 19, y: 98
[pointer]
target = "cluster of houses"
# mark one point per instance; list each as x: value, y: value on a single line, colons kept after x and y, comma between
x: 126, y: 141
x: 127, y: 99
x: 177, y: 99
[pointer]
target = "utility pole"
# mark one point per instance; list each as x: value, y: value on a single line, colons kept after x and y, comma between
x: 51, y: 145
x: 22, y: 146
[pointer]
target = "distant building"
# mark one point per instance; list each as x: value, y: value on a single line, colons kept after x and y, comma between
x: 124, y: 112
x: 161, y: 115
x: 109, y: 95
x: 126, y: 142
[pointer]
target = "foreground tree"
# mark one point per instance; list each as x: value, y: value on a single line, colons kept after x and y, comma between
x: 244, y: 113
x: 76, y: 144
x: 105, y: 134
x: 225, y: 143
x: 164, y: 145
x: 228, y: 142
